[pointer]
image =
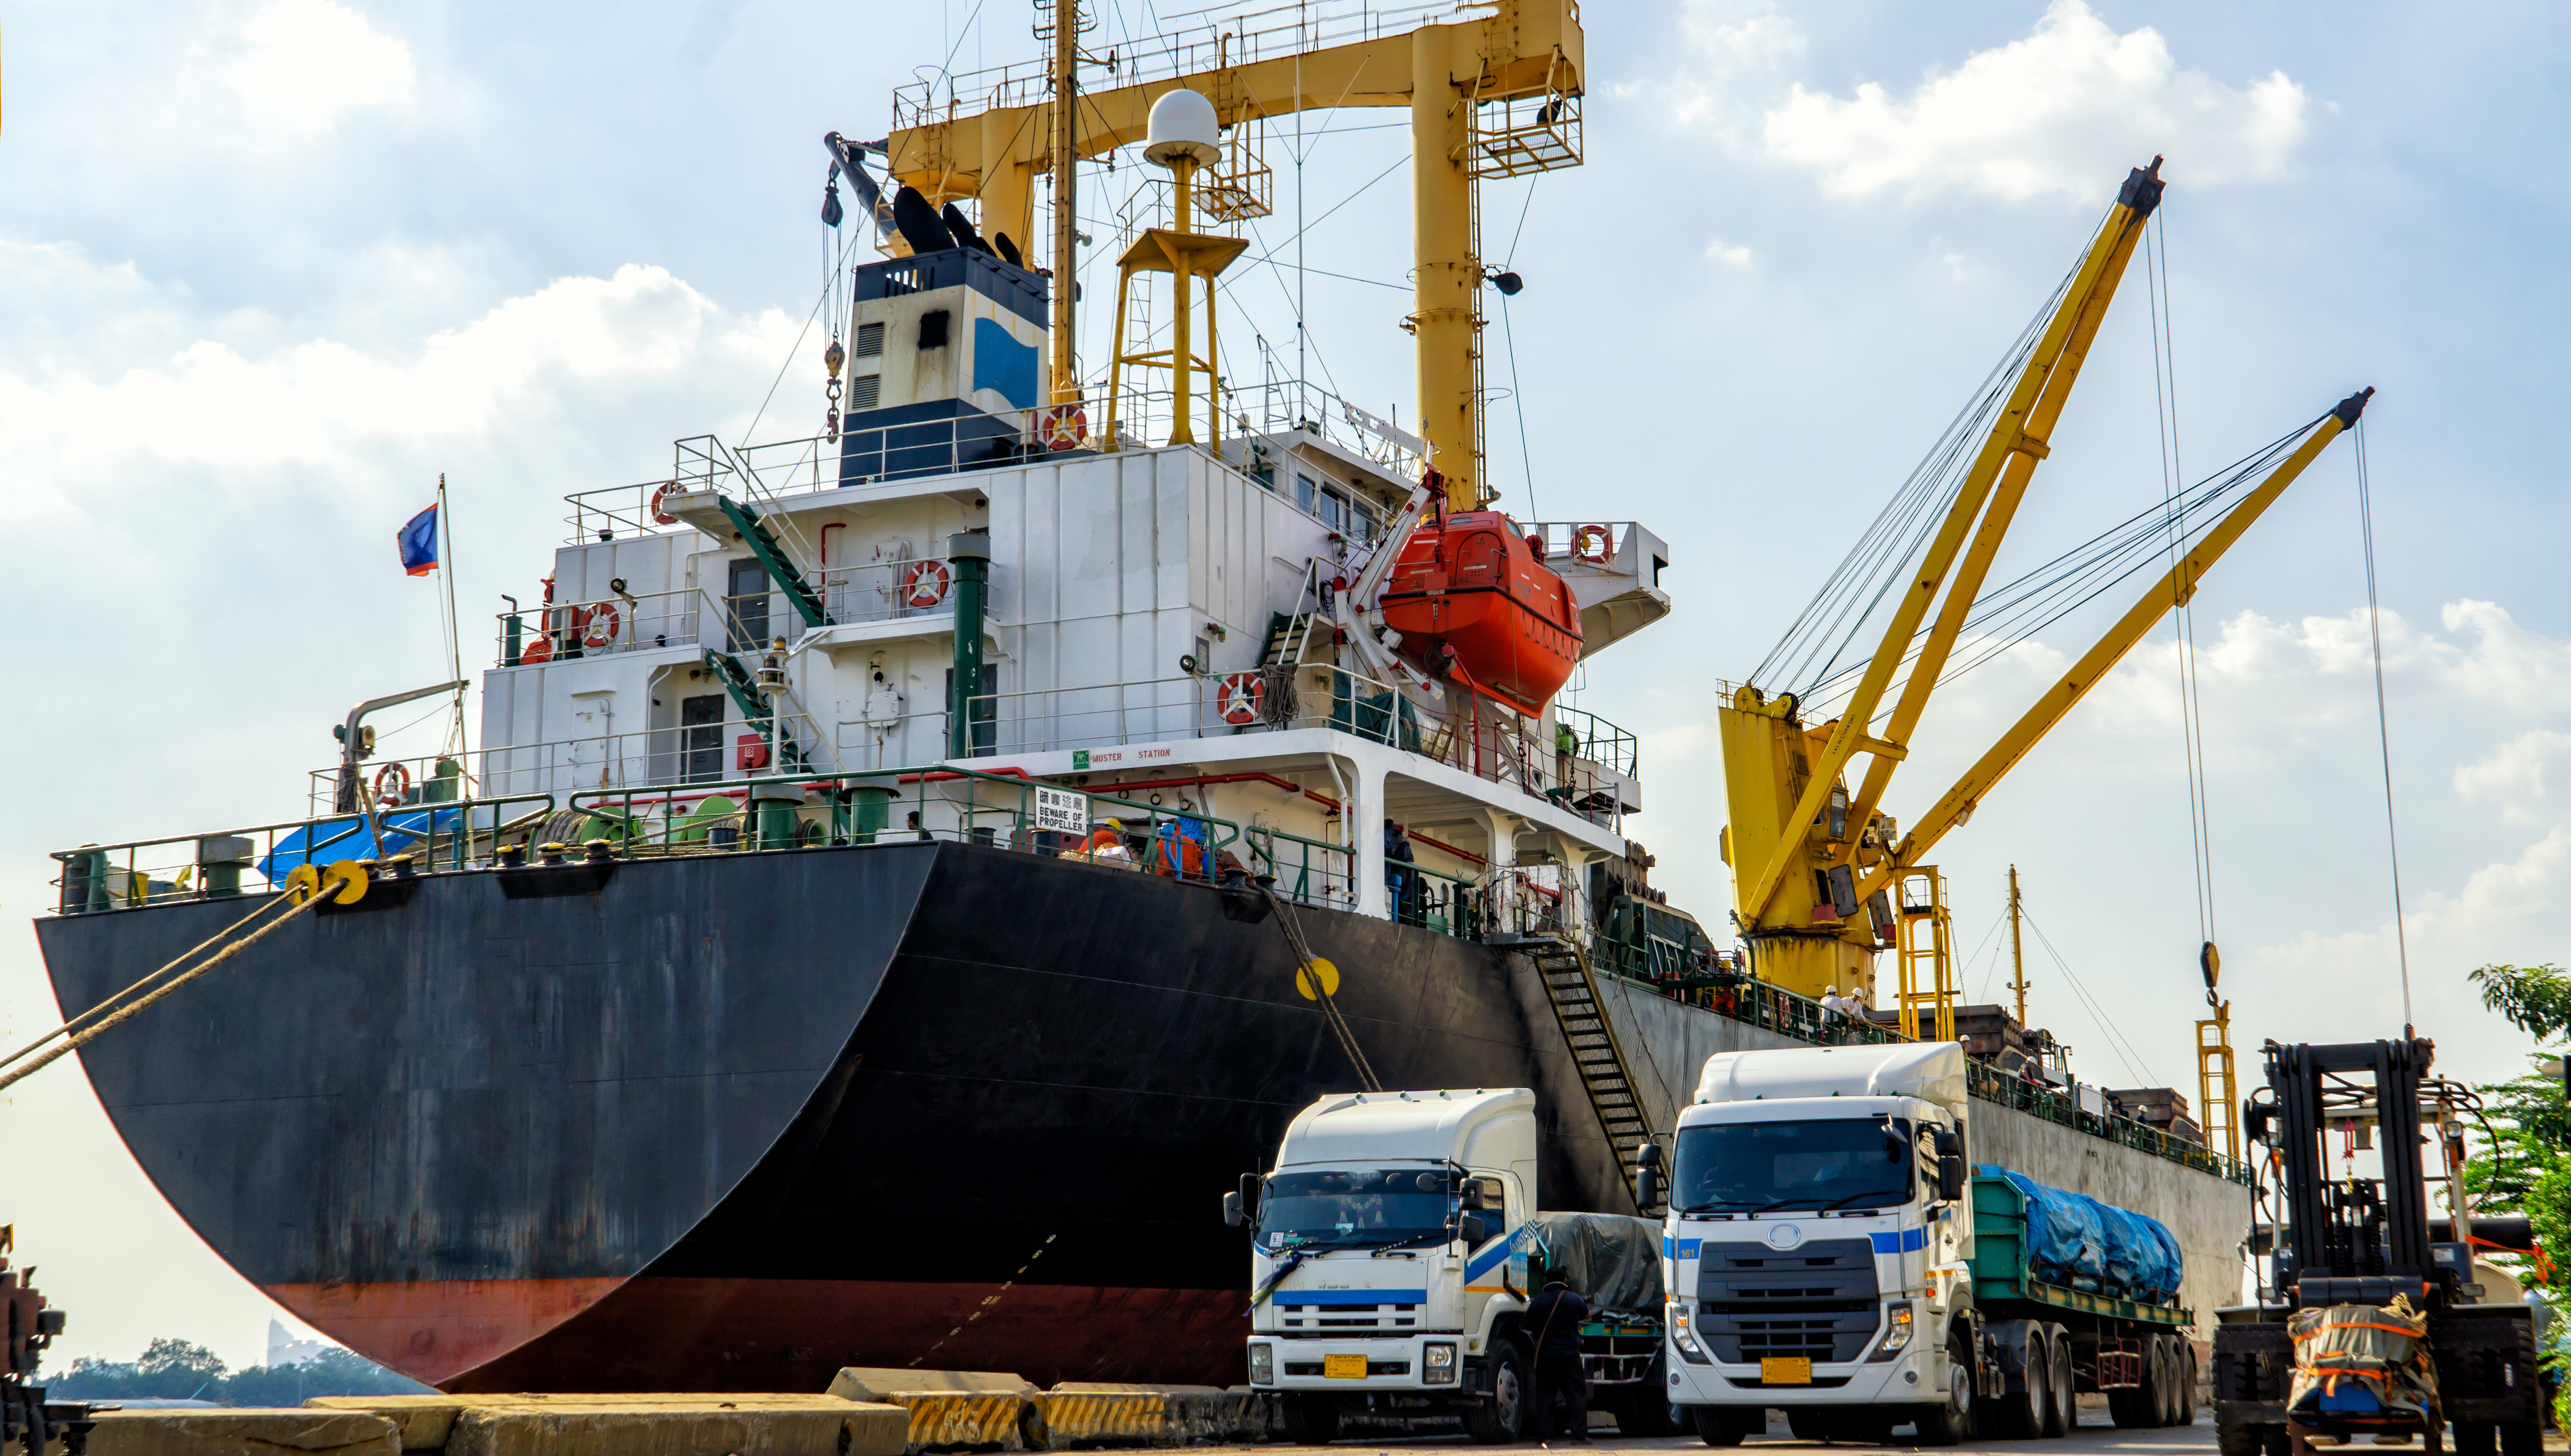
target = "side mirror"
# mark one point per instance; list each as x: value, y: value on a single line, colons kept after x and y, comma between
x: 1474, y: 1230
x: 1647, y: 1186
x: 1471, y: 1198
x: 1948, y: 1144
x: 1950, y: 1178
x: 1231, y: 1216
x: 1253, y: 1201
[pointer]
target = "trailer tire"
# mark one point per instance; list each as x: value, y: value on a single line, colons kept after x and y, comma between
x: 1726, y: 1426
x: 2173, y: 1370
x: 2187, y: 1374
x: 2063, y: 1419
x: 1312, y: 1420
x: 1504, y: 1417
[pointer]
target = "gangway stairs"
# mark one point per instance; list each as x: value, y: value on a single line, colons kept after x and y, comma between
x: 743, y: 688
x: 781, y: 571
x: 1572, y: 987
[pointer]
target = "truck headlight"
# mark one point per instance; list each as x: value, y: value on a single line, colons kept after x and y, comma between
x: 1437, y: 1365
x: 1896, y: 1331
x: 1262, y: 1364
x: 1683, y: 1336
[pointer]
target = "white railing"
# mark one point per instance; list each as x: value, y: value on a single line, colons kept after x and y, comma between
x: 624, y: 623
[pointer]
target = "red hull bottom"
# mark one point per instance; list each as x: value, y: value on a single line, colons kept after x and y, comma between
x: 770, y: 1334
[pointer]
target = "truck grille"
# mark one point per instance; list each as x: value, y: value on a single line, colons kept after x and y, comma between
x: 1818, y: 1302
x: 1340, y: 1318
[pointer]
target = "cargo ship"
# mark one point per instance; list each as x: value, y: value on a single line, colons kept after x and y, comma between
x: 907, y: 873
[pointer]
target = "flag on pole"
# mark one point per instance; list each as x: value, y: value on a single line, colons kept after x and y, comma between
x: 420, y: 543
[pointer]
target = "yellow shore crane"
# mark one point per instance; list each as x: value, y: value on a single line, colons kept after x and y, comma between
x: 1497, y: 95
x: 1810, y: 861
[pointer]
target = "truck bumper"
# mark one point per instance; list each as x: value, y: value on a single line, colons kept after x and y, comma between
x: 1903, y: 1380
x: 1392, y: 1364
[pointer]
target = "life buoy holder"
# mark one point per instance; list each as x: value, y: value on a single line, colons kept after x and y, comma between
x: 1593, y: 544
x: 539, y: 648
x: 1242, y: 696
x: 1062, y: 426
x: 392, y: 785
x: 602, y: 626
x: 660, y: 513
x: 925, y: 583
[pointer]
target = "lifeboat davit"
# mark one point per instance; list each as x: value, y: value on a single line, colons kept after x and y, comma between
x: 1471, y: 586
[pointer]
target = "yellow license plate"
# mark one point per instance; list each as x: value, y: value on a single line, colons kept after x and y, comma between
x: 1353, y: 1367
x: 1785, y: 1370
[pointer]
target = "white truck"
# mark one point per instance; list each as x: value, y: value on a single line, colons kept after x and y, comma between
x: 1831, y: 1254
x: 1392, y: 1242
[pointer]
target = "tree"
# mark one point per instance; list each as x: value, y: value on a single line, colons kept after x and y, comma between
x: 168, y: 1359
x: 2534, y: 999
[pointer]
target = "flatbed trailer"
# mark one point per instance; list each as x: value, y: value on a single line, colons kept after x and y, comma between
x: 2135, y: 1352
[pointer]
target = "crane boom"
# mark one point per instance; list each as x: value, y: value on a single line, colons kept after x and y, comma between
x: 2173, y: 589
x: 2009, y: 453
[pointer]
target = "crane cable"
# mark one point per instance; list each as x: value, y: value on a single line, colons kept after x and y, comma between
x: 2190, y: 691
x: 2382, y: 720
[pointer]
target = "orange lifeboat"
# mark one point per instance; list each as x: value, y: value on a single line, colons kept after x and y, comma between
x: 1470, y: 585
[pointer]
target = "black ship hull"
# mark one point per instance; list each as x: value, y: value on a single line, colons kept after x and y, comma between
x: 732, y: 1121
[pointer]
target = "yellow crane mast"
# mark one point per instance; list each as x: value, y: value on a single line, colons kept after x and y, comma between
x: 1810, y: 859
x: 1495, y: 96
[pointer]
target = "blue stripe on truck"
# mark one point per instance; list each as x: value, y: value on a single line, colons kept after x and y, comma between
x: 1908, y: 1241
x: 1297, y: 1297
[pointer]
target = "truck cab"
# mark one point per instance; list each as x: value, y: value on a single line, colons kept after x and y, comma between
x: 1390, y: 1259
x: 1817, y: 1245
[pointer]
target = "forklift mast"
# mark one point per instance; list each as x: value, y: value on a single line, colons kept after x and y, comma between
x: 2355, y: 1241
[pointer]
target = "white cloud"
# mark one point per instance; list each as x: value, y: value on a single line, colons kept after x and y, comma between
x: 2060, y: 112
x: 2512, y: 776
x: 1718, y: 251
x: 303, y: 64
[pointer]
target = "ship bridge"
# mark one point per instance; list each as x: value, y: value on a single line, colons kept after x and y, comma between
x: 1153, y: 626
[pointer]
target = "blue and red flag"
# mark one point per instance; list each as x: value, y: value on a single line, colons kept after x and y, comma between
x: 420, y: 543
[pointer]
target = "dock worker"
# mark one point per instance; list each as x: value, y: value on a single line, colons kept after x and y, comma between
x: 1399, y: 877
x: 1556, y: 1316
x: 1566, y: 747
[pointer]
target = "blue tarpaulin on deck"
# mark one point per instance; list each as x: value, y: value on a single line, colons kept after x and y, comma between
x: 327, y: 841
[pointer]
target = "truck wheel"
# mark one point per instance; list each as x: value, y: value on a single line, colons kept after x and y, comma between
x: 1726, y: 1426
x: 1500, y: 1417
x: 1312, y: 1420
x: 2025, y: 1413
x: 1951, y: 1422
x: 2244, y: 1440
x: 2128, y: 1409
x: 2187, y: 1374
x: 2065, y: 1415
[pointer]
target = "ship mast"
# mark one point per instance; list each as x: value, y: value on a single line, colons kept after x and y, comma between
x: 2017, y: 951
x: 1066, y: 214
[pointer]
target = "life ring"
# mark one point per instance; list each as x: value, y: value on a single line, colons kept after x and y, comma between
x: 1241, y: 696
x: 1593, y: 544
x: 1062, y: 426
x: 602, y: 627
x: 659, y: 493
x: 539, y: 648
x: 392, y: 785
x: 923, y: 583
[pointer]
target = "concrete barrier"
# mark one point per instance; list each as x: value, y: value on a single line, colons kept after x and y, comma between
x: 733, y: 1428
x: 950, y: 1409
x: 245, y: 1432
x: 1086, y: 1413
x: 659, y: 1423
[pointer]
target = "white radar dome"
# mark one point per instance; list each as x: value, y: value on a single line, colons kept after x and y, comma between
x: 1182, y: 125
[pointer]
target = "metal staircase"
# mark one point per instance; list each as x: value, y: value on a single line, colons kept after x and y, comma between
x: 1288, y: 631
x: 1573, y: 989
x: 781, y: 572
x: 737, y: 681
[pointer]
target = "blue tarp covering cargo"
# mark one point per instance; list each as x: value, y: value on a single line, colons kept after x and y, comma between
x: 2077, y: 1241
x: 330, y: 840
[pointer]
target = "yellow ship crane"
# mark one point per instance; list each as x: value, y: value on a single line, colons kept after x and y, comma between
x: 1493, y: 95
x: 1810, y: 861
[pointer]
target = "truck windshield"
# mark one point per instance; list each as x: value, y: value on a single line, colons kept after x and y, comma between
x: 1364, y: 1207
x: 1832, y: 1163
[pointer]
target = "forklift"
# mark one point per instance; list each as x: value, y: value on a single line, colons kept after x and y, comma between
x: 2362, y: 1241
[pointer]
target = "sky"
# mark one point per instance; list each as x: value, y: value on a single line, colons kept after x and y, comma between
x: 270, y: 268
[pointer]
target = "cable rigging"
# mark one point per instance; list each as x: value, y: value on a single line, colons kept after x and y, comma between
x: 2382, y: 720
